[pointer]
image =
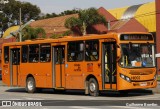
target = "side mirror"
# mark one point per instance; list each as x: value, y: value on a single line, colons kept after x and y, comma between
x: 118, y: 52
x: 157, y: 55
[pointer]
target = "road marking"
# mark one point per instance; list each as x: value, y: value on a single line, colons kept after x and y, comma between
x: 11, y: 99
x: 128, y: 107
x: 80, y: 107
x: 143, y: 98
x: 33, y: 98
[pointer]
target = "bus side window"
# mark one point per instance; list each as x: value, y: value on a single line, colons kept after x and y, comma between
x: 34, y: 53
x: 92, y: 50
x: 45, y: 53
x: 24, y: 54
x: 6, y: 54
x: 75, y: 51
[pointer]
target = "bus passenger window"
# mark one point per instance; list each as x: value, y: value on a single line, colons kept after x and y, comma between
x: 33, y: 53
x: 75, y: 51
x: 6, y: 54
x: 24, y: 54
x: 45, y: 53
x: 92, y: 50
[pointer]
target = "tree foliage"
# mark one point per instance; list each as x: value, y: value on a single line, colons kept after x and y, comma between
x: 86, y: 19
x: 67, y: 12
x: 67, y: 33
x: 11, y: 13
x: 30, y: 33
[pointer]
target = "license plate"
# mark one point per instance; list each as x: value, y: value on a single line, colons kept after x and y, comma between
x: 143, y: 84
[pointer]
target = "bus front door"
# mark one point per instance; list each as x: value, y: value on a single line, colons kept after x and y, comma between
x: 15, y: 66
x: 58, y: 67
x: 109, y: 66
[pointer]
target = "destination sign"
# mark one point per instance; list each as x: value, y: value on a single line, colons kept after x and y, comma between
x: 136, y: 37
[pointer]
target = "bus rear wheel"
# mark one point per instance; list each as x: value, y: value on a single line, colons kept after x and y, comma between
x: 93, y: 87
x: 30, y: 85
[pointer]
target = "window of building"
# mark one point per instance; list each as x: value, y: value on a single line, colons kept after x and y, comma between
x: 45, y: 53
x: 34, y: 53
x: 24, y: 54
x: 6, y: 54
x: 92, y: 50
x: 75, y: 51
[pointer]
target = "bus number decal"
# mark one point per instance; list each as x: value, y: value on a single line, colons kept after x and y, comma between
x: 77, y: 67
x: 135, y: 78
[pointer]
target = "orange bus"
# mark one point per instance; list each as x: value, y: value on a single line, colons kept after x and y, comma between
x: 113, y: 61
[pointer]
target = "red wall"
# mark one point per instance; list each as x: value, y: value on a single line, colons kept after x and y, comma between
x: 158, y: 32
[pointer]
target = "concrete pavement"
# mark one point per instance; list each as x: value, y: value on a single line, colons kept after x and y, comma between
x: 157, y: 89
x: 1, y: 83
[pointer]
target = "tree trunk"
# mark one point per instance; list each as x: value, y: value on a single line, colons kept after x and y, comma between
x: 84, y: 27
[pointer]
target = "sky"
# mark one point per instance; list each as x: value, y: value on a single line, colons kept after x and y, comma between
x: 57, y: 6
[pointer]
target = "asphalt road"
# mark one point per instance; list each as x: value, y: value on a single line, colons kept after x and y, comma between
x: 77, y: 100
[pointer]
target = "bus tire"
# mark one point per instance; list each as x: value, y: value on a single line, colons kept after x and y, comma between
x: 93, y: 87
x: 30, y: 85
x: 124, y: 92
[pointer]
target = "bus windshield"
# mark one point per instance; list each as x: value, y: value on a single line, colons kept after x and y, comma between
x: 137, y: 55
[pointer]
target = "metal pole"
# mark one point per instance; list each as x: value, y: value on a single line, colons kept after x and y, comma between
x: 20, y: 20
x: 109, y: 25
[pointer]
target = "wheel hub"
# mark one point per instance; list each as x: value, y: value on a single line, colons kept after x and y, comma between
x: 92, y: 87
x: 30, y: 85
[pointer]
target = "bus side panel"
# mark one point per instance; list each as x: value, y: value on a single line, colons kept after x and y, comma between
x: 74, y: 76
x: 6, y: 74
x: 93, y: 68
x: 40, y: 71
x: 46, y: 68
x: 23, y: 73
x: 43, y: 75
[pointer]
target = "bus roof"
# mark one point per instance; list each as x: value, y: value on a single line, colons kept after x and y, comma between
x: 73, y: 38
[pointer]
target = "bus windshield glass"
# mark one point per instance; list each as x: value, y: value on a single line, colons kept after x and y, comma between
x: 137, y: 55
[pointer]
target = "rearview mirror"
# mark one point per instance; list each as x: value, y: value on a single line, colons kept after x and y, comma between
x: 118, y: 52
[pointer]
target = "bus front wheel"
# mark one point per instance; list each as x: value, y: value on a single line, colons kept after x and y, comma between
x: 93, y: 87
x: 31, y: 85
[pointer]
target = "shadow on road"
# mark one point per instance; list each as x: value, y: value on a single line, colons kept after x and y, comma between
x: 81, y: 92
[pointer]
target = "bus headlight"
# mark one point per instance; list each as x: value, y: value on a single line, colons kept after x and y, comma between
x: 122, y: 76
x: 125, y: 77
x: 128, y: 79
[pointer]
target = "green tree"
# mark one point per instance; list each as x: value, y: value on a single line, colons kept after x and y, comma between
x: 67, y: 12
x: 10, y: 13
x: 28, y: 10
x: 40, y: 32
x: 29, y: 33
x: 86, y: 19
